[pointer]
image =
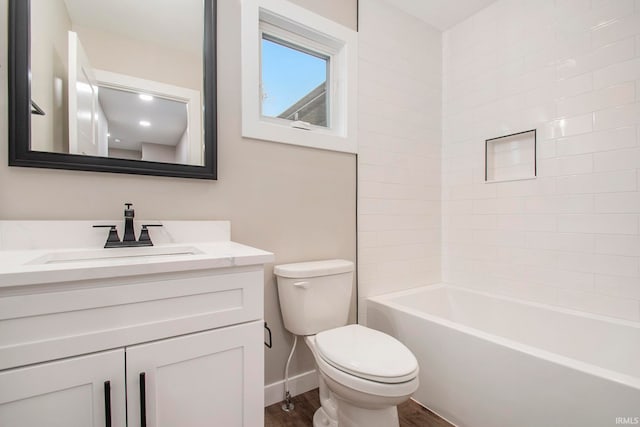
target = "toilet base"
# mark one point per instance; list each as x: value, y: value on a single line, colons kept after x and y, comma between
x: 350, y: 410
x: 320, y: 419
x: 350, y: 415
x: 327, y: 414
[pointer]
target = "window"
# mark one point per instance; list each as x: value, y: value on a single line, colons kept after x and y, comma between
x: 294, y: 82
x: 298, y: 77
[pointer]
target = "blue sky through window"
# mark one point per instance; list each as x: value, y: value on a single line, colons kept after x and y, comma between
x: 288, y: 75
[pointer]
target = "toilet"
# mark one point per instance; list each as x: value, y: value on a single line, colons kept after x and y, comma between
x: 363, y: 373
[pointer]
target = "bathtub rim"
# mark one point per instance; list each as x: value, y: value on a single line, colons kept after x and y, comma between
x: 569, y: 362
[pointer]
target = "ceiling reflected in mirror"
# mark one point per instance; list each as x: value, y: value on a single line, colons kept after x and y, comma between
x: 144, y: 127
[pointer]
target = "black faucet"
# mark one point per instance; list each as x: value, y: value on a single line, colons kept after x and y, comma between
x: 129, y: 234
x: 129, y: 239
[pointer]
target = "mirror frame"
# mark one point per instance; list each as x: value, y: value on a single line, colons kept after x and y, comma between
x: 19, y: 91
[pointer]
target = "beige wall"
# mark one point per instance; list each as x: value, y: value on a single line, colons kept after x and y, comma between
x: 344, y: 12
x: 296, y: 202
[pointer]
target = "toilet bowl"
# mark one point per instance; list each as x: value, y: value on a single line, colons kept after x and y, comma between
x: 363, y: 373
x: 368, y: 376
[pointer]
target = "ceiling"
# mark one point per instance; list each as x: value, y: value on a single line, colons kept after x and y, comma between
x: 441, y: 14
x: 124, y: 111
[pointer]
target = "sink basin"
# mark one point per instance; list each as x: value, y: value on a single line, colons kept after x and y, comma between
x: 92, y: 255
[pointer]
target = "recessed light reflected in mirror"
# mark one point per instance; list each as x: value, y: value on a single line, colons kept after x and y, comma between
x: 145, y: 97
x: 144, y: 123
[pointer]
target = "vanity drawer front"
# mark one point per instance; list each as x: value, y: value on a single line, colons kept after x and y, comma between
x: 52, y: 325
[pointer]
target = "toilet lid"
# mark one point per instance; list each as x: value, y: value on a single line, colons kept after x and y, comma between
x: 367, y: 353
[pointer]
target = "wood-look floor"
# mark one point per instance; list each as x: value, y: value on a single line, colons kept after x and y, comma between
x: 410, y: 413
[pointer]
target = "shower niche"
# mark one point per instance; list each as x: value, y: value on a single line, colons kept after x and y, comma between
x: 511, y: 157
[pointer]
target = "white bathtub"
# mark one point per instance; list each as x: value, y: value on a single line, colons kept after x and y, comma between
x: 491, y: 361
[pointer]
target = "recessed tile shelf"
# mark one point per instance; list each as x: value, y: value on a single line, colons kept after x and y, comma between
x: 510, y: 157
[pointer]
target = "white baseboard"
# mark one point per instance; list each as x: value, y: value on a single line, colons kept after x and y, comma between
x: 431, y: 410
x: 301, y: 383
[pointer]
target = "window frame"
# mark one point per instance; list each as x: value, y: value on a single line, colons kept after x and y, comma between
x: 305, y: 31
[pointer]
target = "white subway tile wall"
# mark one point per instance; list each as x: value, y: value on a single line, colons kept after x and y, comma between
x: 399, y: 161
x: 571, y: 70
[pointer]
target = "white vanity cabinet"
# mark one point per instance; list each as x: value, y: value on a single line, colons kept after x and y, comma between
x: 190, y: 325
x: 205, y: 379
x: 65, y: 393
x: 201, y: 379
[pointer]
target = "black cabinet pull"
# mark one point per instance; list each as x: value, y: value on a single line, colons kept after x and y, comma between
x: 270, y: 344
x: 107, y: 403
x: 143, y: 401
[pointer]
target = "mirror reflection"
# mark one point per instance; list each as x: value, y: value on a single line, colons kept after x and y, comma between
x: 118, y: 79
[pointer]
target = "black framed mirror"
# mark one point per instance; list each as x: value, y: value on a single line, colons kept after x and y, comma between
x: 108, y: 118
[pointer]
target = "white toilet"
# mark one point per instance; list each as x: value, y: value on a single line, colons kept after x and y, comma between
x: 363, y: 373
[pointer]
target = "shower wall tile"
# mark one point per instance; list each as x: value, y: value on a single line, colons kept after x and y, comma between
x: 616, y: 160
x: 617, y: 286
x: 560, y: 204
x: 598, y: 223
x: 597, y: 100
x: 623, y: 27
x: 567, y: 126
x: 618, y: 245
x: 617, y: 202
x: 575, y: 164
x: 598, y: 303
x: 558, y: 241
x: 598, y: 58
x: 624, y: 180
x: 597, y: 141
x: 628, y: 115
x: 399, y: 162
x: 574, y: 85
x: 571, y: 236
x: 617, y: 73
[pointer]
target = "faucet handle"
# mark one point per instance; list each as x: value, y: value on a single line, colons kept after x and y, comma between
x: 113, y: 238
x: 144, y: 233
x: 128, y: 213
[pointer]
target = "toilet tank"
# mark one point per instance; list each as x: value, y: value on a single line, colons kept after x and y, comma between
x: 314, y: 296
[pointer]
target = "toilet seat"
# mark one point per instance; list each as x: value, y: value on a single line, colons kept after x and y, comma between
x: 347, y: 380
x: 385, y: 390
x: 366, y: 353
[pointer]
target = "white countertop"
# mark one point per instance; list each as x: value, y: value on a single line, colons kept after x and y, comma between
x: 33, y: 267
x: 42, y: 252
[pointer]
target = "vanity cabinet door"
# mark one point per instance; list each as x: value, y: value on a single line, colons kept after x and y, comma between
x: 212, y: 378
x: 66, y: 393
